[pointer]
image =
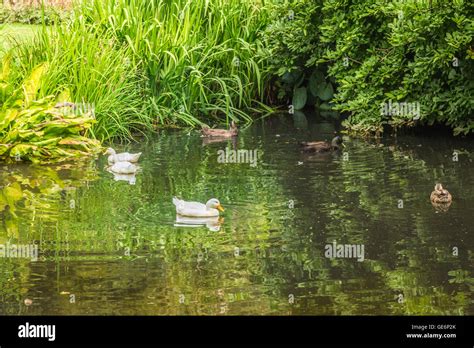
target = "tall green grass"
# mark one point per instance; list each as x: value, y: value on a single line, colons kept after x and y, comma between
x: 203, y: 58
x: 143, y: 64
x: 97, y: 70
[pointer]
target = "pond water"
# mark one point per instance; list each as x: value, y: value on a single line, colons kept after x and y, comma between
x: 109, y: 247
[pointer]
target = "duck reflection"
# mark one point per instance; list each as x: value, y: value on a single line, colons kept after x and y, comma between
x: 130, y: 178
x: 214, y: 140
x: 212, y: 223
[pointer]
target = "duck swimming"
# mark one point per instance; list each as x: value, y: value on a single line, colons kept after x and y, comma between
x: 440, y: 195
x: 322, y: 146
x: 223, y: 133
x: 122, y: 157
x: 196, y: 209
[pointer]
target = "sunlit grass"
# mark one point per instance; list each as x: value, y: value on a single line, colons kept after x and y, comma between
x: 87, y: 61
x: 201, y: 57
x: 152, y: 64
x: 11, y: 34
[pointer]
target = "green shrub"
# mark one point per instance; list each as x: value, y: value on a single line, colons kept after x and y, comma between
x: 381, y: 52
x: 293, y: 42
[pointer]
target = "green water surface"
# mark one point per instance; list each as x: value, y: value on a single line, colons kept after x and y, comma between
x: 111, y: 247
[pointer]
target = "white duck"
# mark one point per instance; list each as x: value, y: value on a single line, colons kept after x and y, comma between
x: 122, y: 157
x: 123, y: 168
x: 196, y: 209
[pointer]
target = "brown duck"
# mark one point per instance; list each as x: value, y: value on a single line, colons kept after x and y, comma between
x: 440, y: 195
x: 222, y: 133
x: 322, y: 146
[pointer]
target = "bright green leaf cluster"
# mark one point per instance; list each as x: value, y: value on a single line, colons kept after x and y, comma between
x: 40, y: 130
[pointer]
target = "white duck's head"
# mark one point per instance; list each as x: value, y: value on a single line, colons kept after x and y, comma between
x: 110, y: 151
x: 215, y: 204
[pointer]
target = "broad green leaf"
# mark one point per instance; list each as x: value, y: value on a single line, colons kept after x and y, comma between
x: 299, y: 98
x: 326, y: 92
x: 315, y: 80
x: 5, y: 71
x: 32, y: 84
x: 325, y: 107
x: 7, y: 117
x: 291, y: 78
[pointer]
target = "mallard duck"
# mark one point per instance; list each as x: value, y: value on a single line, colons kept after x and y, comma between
x: 223, y: 133
x: 440, y: 195
x: 122, y: 157
x: 322, y: 146
x: 196, y: 209
x: 123, y: 168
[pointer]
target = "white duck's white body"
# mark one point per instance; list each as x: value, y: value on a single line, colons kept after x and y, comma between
x: 123, y: 168
x: 122, y: 157
x: 196, y: 209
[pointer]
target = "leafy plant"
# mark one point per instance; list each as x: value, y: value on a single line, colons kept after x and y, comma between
x: 39, y: 129
x: 293, y: 42
x: 373, y: 53
x: 97, y: 71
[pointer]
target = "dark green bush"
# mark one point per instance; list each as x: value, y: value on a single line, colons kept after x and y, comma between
x: 382, y: 52
x: 293, y: 40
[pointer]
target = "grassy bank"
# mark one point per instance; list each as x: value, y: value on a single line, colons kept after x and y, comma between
x: 201, y: 57
x: 11, y: 34
x: 143, y: 65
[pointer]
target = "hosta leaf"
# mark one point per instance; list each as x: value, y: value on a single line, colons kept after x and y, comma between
x: 299, y: 98
x: 315, y: 80
x: 325, y: 107
x: 46, y: 142
x: 326, y: 92
x: 292, y: 78
x: 22, y: 150
x: 7, y: 117
x: 4, y: 148
x: 32, y: 84
x: 5, y: 71
x: 37, y: 131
